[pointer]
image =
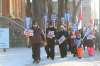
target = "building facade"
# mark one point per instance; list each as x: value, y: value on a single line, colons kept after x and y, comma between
x: 12, y: 8
x: 0, y: 7
x: 17, y: 8
x: 5, y: 7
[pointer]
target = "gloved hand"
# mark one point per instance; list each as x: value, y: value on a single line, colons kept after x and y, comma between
x: 45, y: 43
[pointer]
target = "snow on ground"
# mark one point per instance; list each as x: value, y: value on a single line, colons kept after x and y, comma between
x: 22, y: 57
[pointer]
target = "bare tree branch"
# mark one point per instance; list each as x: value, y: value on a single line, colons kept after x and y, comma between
x: 77, y: 6
x: 49, y: 4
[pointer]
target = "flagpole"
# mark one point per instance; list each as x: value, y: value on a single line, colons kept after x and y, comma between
x: 81, y: 5
x: 81, y: 13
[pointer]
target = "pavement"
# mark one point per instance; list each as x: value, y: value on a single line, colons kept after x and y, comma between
x: 22, y: 57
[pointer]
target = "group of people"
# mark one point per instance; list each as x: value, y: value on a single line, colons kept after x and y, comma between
x: 67, y: 41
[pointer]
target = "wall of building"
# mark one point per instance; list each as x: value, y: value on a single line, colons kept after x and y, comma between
x: 13, y: 8
x: 0, y: 7
x: 5, y: 8
x: 18, y: 8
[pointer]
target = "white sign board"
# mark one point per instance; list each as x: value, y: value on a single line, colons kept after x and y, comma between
x: 53, y: 18
x: 29, y: 32
x: 51, y: 34
x: 28, y: 22
x: 45, y: 18
x: 74, y: 28
x: 62, y: 39
x: 67, y: 17
x: 4, y: 37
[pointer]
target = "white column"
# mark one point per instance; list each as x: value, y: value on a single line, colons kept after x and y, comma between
x: 11, y: 8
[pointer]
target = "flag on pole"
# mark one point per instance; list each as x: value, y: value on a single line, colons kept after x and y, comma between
x: 80, y: 19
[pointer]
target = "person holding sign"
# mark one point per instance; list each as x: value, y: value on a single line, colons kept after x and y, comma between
x: 62, y: 40
x: 50, y: 37
x: 36, y: 41
x: 72, y: 45
x: 89, y: 40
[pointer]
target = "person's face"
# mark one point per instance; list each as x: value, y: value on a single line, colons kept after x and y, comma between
x: 50, y: 26
x: 62, y: 28
x: 35, y: 25
x: 73, y: 33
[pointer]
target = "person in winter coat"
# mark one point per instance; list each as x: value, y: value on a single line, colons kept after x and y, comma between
x: 88, y: 33
x: 62, y: 40
x: 36, y: 41
x: 50, y: 38
x: 78, y: 43
x: 90, y: 37
x: 72, y: 44
x: 78, y: 39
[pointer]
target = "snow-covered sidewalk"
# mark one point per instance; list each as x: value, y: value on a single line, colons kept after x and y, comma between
x: 22, y: 57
